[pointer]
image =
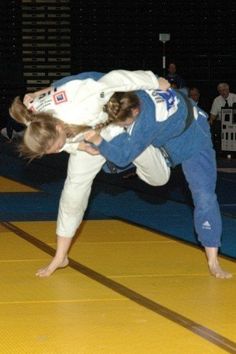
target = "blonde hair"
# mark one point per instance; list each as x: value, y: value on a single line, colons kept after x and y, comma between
x: 39, y: 136
x: 41, y: 127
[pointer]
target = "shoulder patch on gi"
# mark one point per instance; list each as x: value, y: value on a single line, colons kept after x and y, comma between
x: 60, y: 97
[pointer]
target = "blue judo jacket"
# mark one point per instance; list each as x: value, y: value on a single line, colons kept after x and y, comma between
x: 179, y: 141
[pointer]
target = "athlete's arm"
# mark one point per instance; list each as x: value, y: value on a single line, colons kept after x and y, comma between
x: 81, y: 76
x: 29, y: 97
x: 125, y: 80
x: 124, y: 148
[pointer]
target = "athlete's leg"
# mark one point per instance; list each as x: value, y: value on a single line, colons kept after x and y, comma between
x: 152, y: 167
x: 200, y: 172
x: 82, y: 169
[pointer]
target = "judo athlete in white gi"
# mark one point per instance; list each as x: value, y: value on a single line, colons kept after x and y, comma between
x: 80, y: 100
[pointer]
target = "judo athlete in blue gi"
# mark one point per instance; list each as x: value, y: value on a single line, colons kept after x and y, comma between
x: 169, y: 121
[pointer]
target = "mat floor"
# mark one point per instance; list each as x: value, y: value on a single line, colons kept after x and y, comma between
x: 127, y: 290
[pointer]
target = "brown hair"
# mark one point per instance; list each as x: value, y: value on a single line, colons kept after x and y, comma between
x: 120, y: 106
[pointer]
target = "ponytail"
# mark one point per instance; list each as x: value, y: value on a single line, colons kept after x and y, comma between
x: 19, y: 112
x: 120, y: 106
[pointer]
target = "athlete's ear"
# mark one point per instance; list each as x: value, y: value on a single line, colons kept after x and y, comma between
x: 59, y: 127
x: 135, y: 112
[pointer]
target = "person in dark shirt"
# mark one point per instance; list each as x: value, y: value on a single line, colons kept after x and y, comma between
x: 174, y: 79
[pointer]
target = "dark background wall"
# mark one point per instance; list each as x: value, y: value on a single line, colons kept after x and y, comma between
x: 111, y: 34
x: 106, y: 34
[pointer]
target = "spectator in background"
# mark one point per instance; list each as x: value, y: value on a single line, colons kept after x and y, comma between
x: 224, y: 100
x: 195, y: 95
x: 174, y: 79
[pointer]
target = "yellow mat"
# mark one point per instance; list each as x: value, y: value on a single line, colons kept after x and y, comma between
x: 7, y: 186
x: 160, y: 284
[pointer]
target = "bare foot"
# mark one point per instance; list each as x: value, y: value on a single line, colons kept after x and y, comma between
x: 213, y: 263
x: 54, y: 265
x: 218, y: 272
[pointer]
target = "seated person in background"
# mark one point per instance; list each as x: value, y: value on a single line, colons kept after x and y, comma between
x: 195, y: 95
x: 224, y: 100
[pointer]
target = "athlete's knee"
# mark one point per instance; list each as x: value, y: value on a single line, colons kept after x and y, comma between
x: 155, y: 179
x: 204, y: 199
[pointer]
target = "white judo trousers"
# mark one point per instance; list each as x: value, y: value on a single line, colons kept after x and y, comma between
x: 83, y: 168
